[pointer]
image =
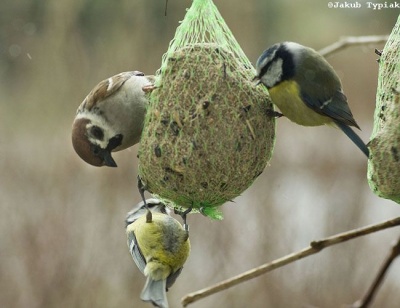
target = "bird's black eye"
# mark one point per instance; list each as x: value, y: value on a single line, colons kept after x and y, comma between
x: 97, y: 132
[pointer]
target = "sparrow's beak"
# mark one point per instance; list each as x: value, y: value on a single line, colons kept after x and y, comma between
x: 107, y: 159
x: 105, y: 154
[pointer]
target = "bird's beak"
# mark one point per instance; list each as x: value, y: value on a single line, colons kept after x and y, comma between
x: 107, y: 159
x: 257, y: 80
x: 105, y: 154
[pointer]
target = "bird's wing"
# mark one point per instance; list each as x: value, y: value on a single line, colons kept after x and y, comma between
x: 135, y: 252
x: 107, y: 87
x: 172, y: 278
x: 321, y: 90
x: 335, y: 107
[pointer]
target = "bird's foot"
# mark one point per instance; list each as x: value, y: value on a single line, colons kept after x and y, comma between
x: 184, y: 217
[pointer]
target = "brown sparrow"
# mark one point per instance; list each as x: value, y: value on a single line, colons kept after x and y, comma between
x: 111, y: 117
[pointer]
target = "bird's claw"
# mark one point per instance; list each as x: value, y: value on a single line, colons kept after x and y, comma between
x: 142, y: 188
x: 184, y: 216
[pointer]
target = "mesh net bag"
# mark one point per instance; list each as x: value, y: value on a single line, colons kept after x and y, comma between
x: 207, y: 133
x: 384, y: 160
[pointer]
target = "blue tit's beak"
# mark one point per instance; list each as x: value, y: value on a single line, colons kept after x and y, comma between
x: 257, y: 80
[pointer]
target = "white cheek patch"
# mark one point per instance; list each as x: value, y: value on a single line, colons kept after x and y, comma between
x: 274, y: 74
x: 101, y: 143
x: 96, y: 120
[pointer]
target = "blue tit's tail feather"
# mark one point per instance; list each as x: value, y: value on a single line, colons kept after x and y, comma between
x: 354, y: 137
x: 154, y: 291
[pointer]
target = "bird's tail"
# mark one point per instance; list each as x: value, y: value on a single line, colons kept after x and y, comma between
x: 154, y: 291
x: 354, y: 137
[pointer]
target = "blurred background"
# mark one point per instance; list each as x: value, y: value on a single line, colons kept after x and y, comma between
x: 62, y: 238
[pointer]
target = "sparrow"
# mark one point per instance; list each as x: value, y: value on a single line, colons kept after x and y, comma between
x: 111, y: 117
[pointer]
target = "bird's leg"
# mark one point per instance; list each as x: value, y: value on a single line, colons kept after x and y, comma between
x: 184, y: 217
x: 142, y: 188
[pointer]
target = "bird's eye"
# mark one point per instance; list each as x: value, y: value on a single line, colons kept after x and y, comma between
x: 97, y: 132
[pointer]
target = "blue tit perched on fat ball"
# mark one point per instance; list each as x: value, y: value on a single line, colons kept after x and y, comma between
x: 306, y: 89
x: 159, y: 245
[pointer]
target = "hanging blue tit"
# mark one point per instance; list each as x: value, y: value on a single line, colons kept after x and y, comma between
x: 159, y: 246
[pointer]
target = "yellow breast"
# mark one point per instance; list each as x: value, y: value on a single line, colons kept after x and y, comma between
x: 286, y: 96
x: 163, y: 240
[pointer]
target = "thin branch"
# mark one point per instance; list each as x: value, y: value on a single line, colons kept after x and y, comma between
x: 368, y: 297
x: 315, y: 247
x: 347, y: 41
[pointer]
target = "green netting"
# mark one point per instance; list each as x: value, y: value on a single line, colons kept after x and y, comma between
x: 384, y: 162
x: 204, y: 24
x: 207, y: 134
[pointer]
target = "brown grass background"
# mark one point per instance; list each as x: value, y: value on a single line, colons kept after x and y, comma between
x: 62, y: 241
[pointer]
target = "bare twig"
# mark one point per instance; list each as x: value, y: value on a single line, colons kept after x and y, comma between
x: 368, y: 297
x: 347, y: 41
x: 315, y: 247
x: 166, y: 7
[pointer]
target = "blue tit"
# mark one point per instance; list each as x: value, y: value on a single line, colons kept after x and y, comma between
x: 159, y: 246
x: 306, y: 89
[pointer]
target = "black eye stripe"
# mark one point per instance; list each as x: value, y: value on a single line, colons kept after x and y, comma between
x: 267, y: 57
x: 288, y: 68
x: 279, y: 52
x: 265, y: 68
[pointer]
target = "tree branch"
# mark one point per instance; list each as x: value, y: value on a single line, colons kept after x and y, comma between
x: 368, y: 297
x: 315, y: 247
x: 347, y: 41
